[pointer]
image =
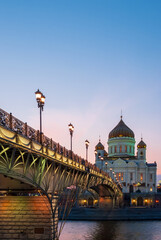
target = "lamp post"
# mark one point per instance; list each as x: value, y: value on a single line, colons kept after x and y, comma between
x: 111, y: 172
x: 113, y: 175
x: 106, y: 165
x: 102, y: 162
x: 71, y: 129
x: 87, y: 144
x: 40, y: 98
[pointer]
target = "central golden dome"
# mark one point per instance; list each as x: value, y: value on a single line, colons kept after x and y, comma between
x: 121, y: 130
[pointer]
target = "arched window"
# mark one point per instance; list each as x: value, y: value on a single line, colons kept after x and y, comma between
x: 122, y: 176
x: 141, y: 177
x: 125, y: 148
x: 131, y: 176
x: 115, y: 149
x: 119, y: 176
x: 141, y: 154
x: 120, y: 149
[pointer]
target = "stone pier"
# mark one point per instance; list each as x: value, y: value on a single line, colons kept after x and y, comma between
x: 25, y: 217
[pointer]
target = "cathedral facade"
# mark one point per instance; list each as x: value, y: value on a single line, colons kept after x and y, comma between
x: 123, y: 165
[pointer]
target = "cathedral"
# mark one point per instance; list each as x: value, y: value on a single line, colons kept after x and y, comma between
x: 135, y: 174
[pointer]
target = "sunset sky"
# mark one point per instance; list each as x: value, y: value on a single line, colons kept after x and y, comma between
x: 90, y: 59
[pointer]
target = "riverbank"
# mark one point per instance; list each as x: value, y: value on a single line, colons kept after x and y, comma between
x: 99, y: 214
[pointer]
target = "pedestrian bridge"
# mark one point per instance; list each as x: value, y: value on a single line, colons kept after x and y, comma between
x: 30, y: 168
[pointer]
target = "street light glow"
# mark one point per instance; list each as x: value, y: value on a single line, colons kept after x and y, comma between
x: 87, y: 143
x: 71, y: 127
x: 42, y: 99
x: 38, y: 95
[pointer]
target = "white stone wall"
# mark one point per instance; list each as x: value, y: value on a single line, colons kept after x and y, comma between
x: 137, y: 168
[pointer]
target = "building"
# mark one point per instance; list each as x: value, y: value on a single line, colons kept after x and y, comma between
x: 121, y: 162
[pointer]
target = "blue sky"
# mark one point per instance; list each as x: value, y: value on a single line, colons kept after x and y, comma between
x: 91, y: 59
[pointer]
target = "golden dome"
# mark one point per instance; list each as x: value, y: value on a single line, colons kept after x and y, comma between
x: 121, y: 130
x: 99, y: 146
x: 141, y: 144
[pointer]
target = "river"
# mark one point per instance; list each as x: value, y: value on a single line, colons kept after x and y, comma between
x: 111, y: 230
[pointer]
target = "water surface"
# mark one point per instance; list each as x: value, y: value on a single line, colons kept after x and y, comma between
x: 112, y: 230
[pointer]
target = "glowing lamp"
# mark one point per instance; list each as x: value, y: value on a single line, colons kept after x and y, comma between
x: 71, y: 128
x: 38, y: 95
x: 87, y: 143
x: 42, y: 99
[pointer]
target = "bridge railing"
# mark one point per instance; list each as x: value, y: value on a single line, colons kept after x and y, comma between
x: 10, y: 122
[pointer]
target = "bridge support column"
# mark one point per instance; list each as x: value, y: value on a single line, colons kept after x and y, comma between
x: 55, y: 218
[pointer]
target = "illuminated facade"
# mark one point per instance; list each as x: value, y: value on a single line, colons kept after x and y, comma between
x: 132, y: 171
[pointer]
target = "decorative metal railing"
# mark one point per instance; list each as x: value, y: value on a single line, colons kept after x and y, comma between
x: 13, y: 123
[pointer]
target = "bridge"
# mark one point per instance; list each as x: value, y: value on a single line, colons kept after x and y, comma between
x: 40, y: 181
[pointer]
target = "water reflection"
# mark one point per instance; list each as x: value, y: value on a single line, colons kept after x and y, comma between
x: 103, y: 231
x: 133, y: 230
x: 112, y: 230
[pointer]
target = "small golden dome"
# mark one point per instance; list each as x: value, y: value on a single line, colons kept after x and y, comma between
x: 99, y: 146
x: 141, y: 144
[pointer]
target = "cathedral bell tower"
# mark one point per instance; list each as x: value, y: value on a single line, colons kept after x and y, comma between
x: 141, y: 147
x: 99, y: 153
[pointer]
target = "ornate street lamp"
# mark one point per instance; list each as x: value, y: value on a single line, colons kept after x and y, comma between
x: 40, y: 98
x: 87, y: 144
x: 71, y: 129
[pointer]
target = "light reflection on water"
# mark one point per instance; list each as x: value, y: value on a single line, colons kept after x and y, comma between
x: 112, y: 230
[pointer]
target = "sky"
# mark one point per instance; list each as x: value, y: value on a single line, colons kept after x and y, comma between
x: 91, y: 59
